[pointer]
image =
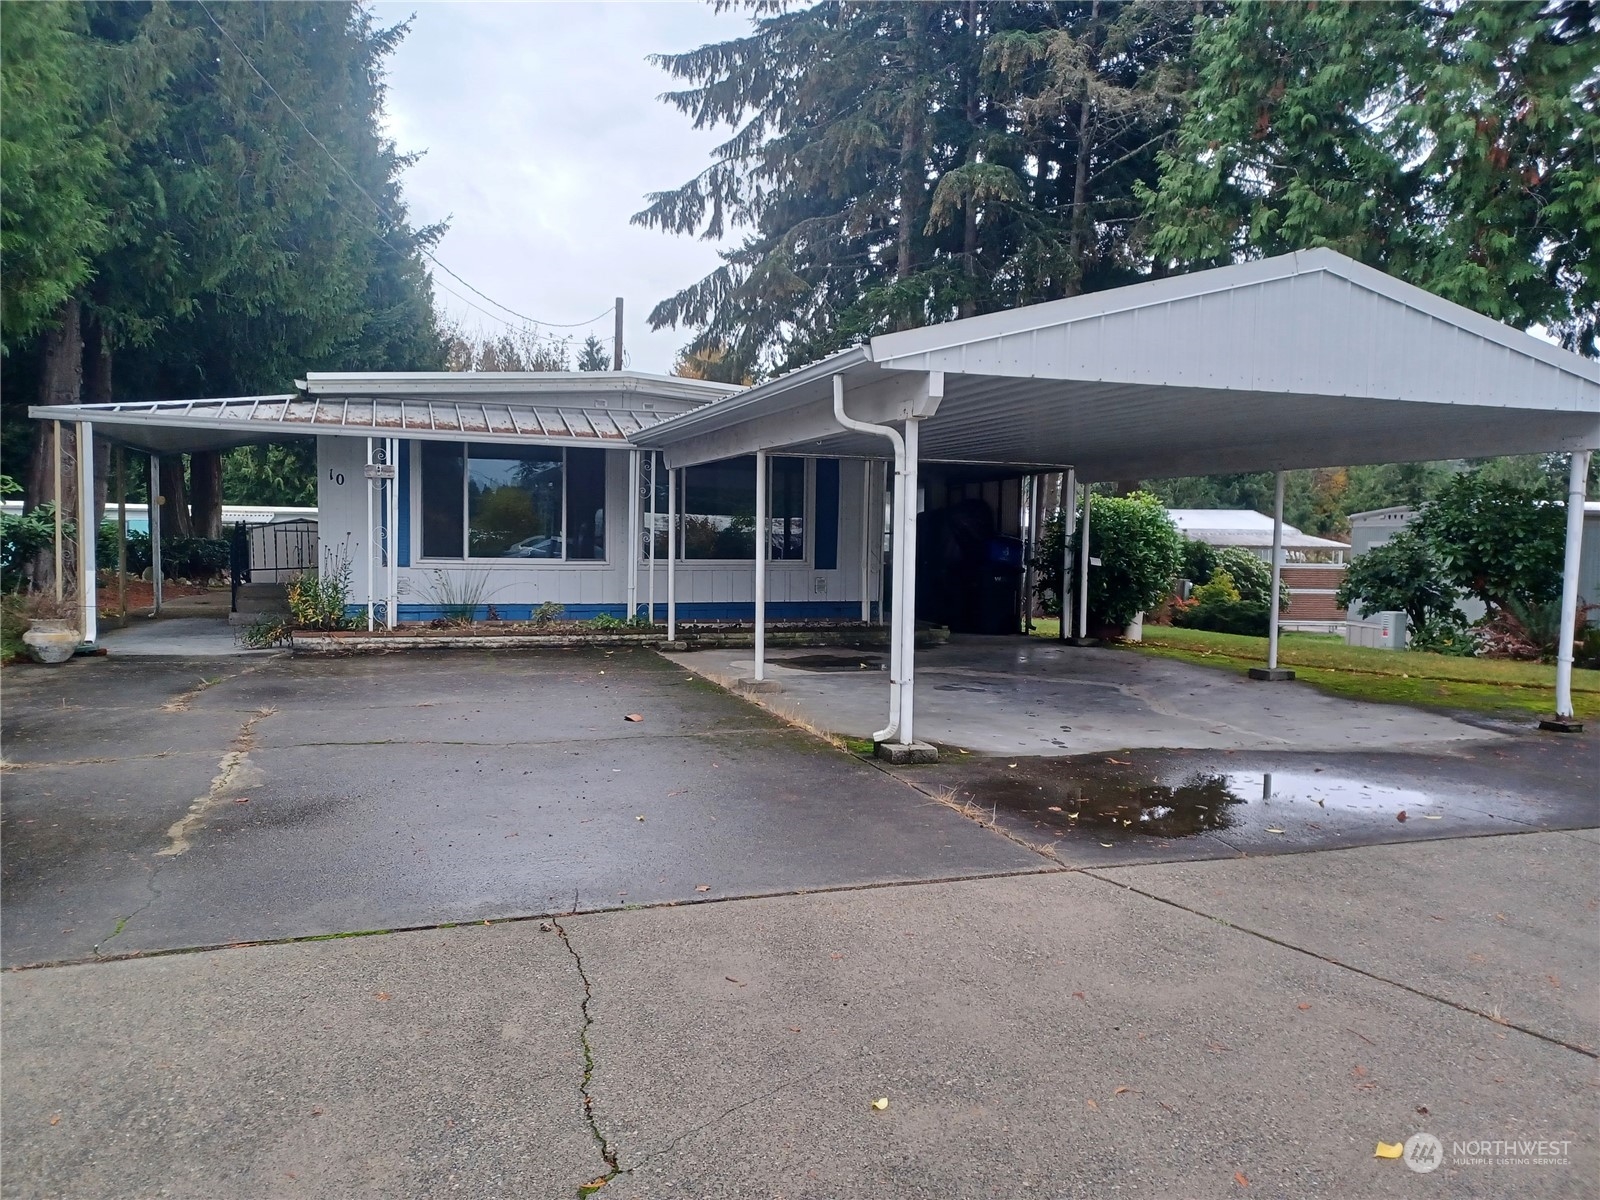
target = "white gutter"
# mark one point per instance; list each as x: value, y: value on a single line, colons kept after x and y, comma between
x: 897, y: 600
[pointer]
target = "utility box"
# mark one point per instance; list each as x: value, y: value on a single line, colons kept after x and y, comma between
x: 1381, y: 631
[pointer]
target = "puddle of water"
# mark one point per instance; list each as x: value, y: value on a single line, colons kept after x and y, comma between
x: 1200, y: 802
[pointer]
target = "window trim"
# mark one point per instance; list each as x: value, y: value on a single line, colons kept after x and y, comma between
x: 420, y: 560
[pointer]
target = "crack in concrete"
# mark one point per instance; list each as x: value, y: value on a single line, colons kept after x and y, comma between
x: 607, y: 1152
x: 180, y: 702
x: 1587, y: 1051
x: 123, y: 922
x: 235, y: 771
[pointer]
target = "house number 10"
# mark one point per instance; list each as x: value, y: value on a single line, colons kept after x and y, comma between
x: 336, y: 476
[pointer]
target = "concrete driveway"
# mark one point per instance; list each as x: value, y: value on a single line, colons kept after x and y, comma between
x: 1030, y: 696
x: 533, y: 996
x: 162, y: 804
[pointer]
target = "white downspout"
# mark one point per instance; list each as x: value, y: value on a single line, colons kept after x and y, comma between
x: 672, y: 556
x: 655, y: 476
x: 88, y: 532
x: 898, y: 583
x: 1577, y: 486
x: 866, y: 541
x: 761, y: 565
x: 391, y: 603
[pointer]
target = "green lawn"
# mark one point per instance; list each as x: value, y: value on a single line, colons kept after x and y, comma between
x: 1396, y: 676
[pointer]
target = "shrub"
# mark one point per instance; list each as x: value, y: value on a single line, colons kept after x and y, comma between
x: 548, y: 613
x: 1251, y: 575
x: 607, y: 621
x: 318, y: 600
x: 1219, y: 587
x: 196, y: 558
x: 1139, y: 549
x: 1501, y: 542
x: 1405, y: 575
x: 24, y: 535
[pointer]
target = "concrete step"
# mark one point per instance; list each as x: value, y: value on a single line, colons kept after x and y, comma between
x: 243, y: 617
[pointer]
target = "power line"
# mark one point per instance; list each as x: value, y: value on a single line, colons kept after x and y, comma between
x: 382, y: 211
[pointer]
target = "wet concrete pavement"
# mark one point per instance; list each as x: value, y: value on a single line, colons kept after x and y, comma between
x: 1030, y: 696
x: 1086, y: 1034
x: 167, y: 804
x: 1075, y: 1019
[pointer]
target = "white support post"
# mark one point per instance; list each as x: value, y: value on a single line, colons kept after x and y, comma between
x: 391, y: 605
x: 1577, y: 487
x: 61, y: 556
x: 761, y: 565
x: 1069, y: 526
x: 1273, y: 672
x: 907, y: 618
x: 88, y: 529
x: 655, y: 474
x: 633, y: 534
x: 672, y: 556
x: 373, y: 549
x: 153, y: 509
x: 867, y: 473
x: 1083, y: 565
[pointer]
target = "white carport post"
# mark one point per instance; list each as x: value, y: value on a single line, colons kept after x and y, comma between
x: 372, y: 537
x: 655, y: 474
x: 906, y: 615
x: 868, y: 470
x: 1273, y: 672
x: 672, y: 556
x: 633, y: 534
x: 1069, y: 526
x: 761, y: 565
x: 153, y: 511
x: 1083, y: 566
x: 1577, y: 487
x: 88, y: 529
x: 391, y: 485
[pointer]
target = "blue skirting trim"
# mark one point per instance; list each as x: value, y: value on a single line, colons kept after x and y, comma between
x: 819, y: 610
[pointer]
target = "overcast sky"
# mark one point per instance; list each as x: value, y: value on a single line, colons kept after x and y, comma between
x: 542, y: 133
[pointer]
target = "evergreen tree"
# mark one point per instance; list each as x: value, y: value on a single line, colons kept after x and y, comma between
x: 593, y: 356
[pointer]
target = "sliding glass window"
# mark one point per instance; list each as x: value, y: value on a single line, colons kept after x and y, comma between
x: 718, y: 506
x: 485, y: 501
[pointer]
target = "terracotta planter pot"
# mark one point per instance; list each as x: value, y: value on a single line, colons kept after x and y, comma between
x: 51, y: 642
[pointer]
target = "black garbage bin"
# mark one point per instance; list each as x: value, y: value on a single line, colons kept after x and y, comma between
x: 1000, y: 587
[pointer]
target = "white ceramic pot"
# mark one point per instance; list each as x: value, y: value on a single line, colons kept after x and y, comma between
x: 52, y: 641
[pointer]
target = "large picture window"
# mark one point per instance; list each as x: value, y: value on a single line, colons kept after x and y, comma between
x: 512, y: 502
x: 717, y: 503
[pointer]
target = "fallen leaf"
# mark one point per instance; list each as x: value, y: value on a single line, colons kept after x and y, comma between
x: 835, y: 957
x: 1422, y: 1110
x: 56, y: 1120
x: 1120, y: 1090
x: 634, y: 717
x: 1088, y: 1103
x: 881, y: 1103
x: 731, y: 979
x: 382, y: 996
x: 316, y: 1112
x: 1079, y: 996
x: 1389, y: 1150
x: 702, y: 887
x: 1359, y: 1072
x: 1054, y: 808
x: 1432, y: 817
x: 1240, y: 1179
x: 1302, y: 1007
x: 241, y: 799
x: 594, y: 1185
x: 794, y: 1028
x: 1274, y: 829
x: 1121, y: 762
x: 639, y: 818
x: 1400, y: 816
x: 1108, y: 845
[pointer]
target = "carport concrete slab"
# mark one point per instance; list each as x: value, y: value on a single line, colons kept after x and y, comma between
x: 1503, y: 925
x: 1034, y: 697
x: 1043, y: 1035
x: 177, y: 637
x: 444, y: 1064
x: 361, y: 794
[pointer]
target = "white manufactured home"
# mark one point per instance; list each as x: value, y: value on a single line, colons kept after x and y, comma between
x: 885, y: 482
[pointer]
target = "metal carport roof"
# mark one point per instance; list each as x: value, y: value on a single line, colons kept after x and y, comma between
x: 1304, y: 360
x: 575, y: 408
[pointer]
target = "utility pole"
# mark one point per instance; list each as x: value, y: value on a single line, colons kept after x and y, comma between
x: 616, y: 341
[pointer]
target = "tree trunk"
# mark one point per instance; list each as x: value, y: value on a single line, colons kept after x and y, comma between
x: 969, y: 226
x: 60, y: 382
x: 175, y: 521
x: 205, y: 493
x: 1078, y: 241
x: 912, y: 167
